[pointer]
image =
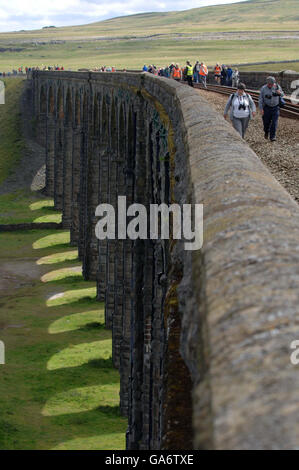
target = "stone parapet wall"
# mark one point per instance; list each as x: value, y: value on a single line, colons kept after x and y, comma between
x: 201, y: 339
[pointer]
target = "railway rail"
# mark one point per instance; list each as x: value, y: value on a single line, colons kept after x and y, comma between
x: 290, y: 110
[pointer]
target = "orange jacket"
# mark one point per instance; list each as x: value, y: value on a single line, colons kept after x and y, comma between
x: 217, y: 70
x: 176, y: 73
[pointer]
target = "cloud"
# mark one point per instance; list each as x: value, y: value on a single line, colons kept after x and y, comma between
x: 18, y: 14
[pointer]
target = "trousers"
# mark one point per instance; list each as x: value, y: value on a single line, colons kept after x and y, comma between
x: 270, y: 120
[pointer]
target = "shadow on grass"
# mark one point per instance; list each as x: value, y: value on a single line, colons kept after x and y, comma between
x: 56, y: 239
x: 15, y: 207
x: 101, y: 363
x: 68, y: 405
x: 64, y: 275
x: 43, y: 204
x: 86, y: 320
x: 75, y: 296
x: 97, y: 417
x: 59, y: 258
x: 100, y: 428
x: 93, y: 326
x: 81, y: 391
x: 81, y: 353
x: 71, y: 401
x: 103, y: 426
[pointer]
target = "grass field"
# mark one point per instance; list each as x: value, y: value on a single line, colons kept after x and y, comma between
x: 253, y: 31
x: 27, y: 206
x: 58, y: 388
x: 133, y: 54
x: 273, y: 67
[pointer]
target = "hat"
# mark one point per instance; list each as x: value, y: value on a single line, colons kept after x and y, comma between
x: 271, y: 80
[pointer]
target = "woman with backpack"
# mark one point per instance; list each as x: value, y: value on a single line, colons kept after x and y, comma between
x: 242, y: 109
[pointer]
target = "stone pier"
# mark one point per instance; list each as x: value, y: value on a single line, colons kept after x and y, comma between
x: 201, y: 338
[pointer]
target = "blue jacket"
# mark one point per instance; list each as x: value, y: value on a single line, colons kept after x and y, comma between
x: 268, y: 96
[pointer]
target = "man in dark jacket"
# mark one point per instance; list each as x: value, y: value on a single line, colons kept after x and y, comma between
x: 269, y: 99
x: 223, y: 75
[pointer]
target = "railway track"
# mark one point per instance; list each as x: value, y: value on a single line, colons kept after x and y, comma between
x: 290, y: 110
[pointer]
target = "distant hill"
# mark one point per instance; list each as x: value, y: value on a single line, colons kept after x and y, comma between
x: 245, y: 32
x: 252, y: 15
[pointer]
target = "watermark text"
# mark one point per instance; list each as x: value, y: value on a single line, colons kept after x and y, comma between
x: 160, y: 222
x: 2, y: 92
x: 295, y: 354
x: 2, y: 353
x: 295, y: 94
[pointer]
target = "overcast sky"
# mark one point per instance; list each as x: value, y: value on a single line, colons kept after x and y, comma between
x: 34, y: 14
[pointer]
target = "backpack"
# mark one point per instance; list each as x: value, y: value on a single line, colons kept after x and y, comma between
x: 282, y: 102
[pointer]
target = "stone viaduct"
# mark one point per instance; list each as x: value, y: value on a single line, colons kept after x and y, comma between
x: 201, y: 338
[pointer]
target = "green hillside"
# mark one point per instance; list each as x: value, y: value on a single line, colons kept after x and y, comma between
x: 251, y: 31
x: 252, y: 15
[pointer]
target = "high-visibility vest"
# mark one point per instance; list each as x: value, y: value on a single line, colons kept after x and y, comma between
x: 203, y: 70
x: 189, y: 70
x: 176, y: 73
x: 217, y: 70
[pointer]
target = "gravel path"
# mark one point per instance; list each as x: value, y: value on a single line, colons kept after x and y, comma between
x: 282, y: 156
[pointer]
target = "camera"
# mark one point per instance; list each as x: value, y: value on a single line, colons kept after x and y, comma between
x: 274, y: 93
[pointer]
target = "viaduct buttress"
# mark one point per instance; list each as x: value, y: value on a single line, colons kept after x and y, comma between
x: 201, y: 338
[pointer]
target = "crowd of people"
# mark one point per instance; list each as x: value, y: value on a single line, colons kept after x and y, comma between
x: 13, y: 72
x: 223, y: 75
x: 105, y: 68
x: 240, y: 106
x: 25, y: 70
x: 197, y: 73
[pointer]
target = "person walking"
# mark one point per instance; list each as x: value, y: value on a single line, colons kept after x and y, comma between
x: 189, y: 73
x: 269, y: 105
x: 242, y: 109
x: 203, y: 74
x: 167, y: 72
x: 176, y: 73
x: 196, y: 71
x: 217, y: 73
x: 223, y: 75
x: 229, y: 76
